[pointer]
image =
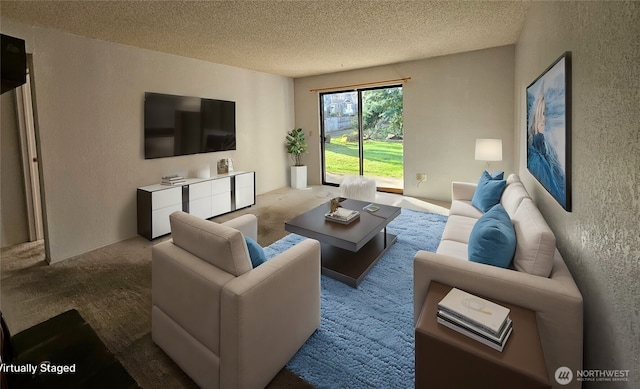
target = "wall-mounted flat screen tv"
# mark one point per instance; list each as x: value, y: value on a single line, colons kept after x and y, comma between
x: 179, y: 125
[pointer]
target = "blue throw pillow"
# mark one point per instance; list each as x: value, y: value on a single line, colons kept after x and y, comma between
x: 493, y: 238
x: 256, y: 252
x: 495, y: 175
x: 488, y: 191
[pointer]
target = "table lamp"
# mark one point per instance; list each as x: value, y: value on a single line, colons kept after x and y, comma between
x: 488, y: 150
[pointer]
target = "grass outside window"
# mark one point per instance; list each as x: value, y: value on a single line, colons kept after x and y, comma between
x: 381, y: 158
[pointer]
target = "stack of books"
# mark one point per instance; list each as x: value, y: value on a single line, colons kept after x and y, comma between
x: 173, y: 180
x: 342, y: 215
x: 475, y: 317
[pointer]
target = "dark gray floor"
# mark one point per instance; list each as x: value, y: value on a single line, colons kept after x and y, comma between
x: 111, y: 288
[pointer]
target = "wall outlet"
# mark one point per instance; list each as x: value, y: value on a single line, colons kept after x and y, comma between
x: 420, y: 177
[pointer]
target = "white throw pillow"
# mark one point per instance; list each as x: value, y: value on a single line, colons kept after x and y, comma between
x: 536, y: 243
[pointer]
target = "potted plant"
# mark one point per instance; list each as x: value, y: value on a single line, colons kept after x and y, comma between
x: 296, y: 144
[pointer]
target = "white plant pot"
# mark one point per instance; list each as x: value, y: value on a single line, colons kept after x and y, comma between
x: 298, y: 177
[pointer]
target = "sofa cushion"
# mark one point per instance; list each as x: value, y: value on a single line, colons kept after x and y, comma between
x: 488, y: 192
x: 458, y: 228
x: 454, y: 249
x: 221, y: 246
x: 513, y: 178
x: 536, y: 242
x: 464, y: 208
x: 512, y: 196
x: 493, y: 239
x: 256, y: 252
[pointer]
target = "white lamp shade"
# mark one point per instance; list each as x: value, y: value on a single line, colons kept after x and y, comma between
x: 488, y: 149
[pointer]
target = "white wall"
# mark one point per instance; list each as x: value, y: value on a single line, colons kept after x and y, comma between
x: 448, y: 103
x: 89, y: 97
x: 600, y: 238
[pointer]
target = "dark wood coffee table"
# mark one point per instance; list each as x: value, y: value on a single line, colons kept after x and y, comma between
x: 349, y: 251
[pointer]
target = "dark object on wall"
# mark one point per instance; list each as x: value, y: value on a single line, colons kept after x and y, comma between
x: 549, y: 129
x: 64, y: 342
x: 14, y: 62
x: 178, y: 125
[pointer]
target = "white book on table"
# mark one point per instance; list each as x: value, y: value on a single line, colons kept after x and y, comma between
x: 485, y: 341
x: 343, y: 214
x: 479, y: 331
x: 475, y: 310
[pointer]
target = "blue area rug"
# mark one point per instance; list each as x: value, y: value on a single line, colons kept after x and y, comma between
x: 366, y: 335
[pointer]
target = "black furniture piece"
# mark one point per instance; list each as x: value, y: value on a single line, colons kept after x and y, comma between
x: 62, y: 352
x: 349, y: 251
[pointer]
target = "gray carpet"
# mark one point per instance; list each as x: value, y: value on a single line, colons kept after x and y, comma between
x: 111, y: 288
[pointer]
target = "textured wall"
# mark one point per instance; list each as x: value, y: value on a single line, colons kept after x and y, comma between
x: 448, y: 103
x: 89, y: 97
x: 600, y: 239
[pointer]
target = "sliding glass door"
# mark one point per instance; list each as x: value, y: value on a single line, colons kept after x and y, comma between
x: 362, y: 135
x: 340, y: 129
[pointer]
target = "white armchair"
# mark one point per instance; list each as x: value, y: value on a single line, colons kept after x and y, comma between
x: 226, y: 324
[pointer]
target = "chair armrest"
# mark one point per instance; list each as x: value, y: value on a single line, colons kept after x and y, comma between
x: 268, y: 313
x: 188, y: 290
x: 556, y: 301
x: 247, y: 224
x: 462, y: 190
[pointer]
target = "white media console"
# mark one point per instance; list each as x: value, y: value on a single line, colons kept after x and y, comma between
x: 202, y: 197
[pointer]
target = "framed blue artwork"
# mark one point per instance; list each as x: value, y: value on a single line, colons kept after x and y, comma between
x: 549, y: 129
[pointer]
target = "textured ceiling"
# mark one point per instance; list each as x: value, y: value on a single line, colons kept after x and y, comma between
x: 290, y: 38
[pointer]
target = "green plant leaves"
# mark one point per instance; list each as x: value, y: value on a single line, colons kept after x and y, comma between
x: 296, y: 144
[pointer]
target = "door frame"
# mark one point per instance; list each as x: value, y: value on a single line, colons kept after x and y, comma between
x: 31, y: 161
x: 360, y: 134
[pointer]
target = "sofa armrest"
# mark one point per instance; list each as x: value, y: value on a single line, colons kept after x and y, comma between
x: 556, y: 301
x: 247, y: 224
x: 462, y: 190
x: 268, y: 313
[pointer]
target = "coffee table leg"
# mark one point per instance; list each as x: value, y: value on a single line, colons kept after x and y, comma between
x: 385, y: 237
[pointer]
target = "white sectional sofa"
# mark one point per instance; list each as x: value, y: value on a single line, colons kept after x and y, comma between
x: 538, y: 278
